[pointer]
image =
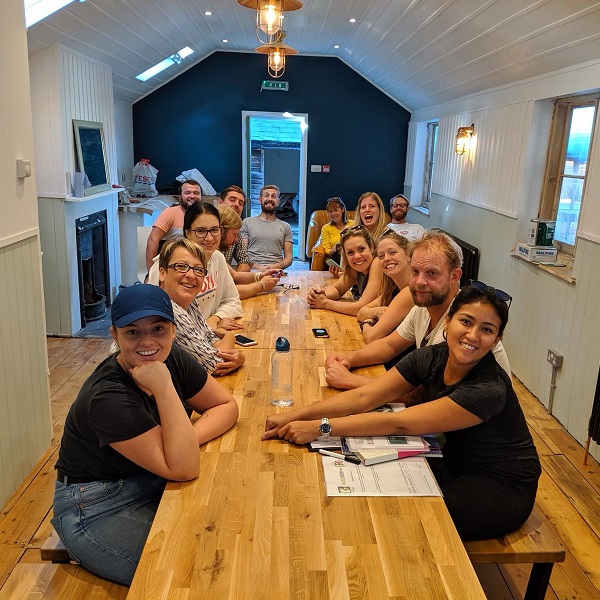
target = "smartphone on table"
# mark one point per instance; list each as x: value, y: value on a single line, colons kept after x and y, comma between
x: 242, y: 340
x: 320, y: 332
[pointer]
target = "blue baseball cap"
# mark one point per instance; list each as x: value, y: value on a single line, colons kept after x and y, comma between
x: 139, y: 301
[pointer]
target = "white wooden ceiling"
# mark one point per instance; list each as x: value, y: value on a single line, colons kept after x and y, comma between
x: 420, y: 52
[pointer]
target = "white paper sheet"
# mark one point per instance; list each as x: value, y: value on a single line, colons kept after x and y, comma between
x: 405, y: 477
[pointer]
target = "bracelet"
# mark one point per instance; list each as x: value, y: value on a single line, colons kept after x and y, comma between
x: 370, y: 322
x: 262, y: 285
x: 257, y: 276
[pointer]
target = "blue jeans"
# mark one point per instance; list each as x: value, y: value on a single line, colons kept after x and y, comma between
x: 104, y: 524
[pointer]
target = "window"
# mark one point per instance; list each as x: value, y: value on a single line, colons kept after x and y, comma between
x: 564, y: 180
x: 432, y: 129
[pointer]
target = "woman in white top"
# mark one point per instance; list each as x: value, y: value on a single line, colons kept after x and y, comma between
x: 219, y: 299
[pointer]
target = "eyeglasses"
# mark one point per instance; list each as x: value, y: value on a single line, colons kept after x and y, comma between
x: 287, y: 287
x: 201, y: 232
x: 484, y: 287
x: 184, y: 268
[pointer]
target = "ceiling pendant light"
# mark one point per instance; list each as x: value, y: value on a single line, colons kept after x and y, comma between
x: 269, y: 17
x: 276, y: 56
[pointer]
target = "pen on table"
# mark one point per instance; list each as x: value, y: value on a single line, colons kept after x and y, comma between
x: 352, y: 459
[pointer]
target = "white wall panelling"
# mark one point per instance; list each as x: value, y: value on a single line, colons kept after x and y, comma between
x: 25, y: 424
x: 487, y: 200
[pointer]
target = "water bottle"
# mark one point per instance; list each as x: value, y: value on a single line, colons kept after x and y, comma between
x: 282, y: 367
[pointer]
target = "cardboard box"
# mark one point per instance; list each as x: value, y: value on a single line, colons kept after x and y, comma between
x: 541, y: 232
x: 536, y: 253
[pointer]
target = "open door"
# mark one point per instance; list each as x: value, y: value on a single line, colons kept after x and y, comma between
x: 263, y: 153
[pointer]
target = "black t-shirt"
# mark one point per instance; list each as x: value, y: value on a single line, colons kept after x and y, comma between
x: 501, y: 445
x: 110, y: 407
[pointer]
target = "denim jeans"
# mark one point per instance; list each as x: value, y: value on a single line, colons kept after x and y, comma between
x: 104, y: 524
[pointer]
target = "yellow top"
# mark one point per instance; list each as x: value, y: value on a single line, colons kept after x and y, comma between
x: 330, y: 235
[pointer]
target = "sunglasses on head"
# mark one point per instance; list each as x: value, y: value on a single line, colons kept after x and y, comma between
x: 353, y: 229
x: 484, y: 287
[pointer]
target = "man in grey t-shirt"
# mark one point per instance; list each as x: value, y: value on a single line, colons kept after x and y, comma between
x: 268, y: 237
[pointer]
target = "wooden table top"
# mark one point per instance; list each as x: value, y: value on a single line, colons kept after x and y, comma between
x: 286, y: 312
x: 257, y: 522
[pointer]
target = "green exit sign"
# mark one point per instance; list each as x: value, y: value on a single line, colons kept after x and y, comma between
x: 283, y: 86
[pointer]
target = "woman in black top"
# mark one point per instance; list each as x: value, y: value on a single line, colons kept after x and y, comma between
x: 490, y: 468
x: 128, y: 431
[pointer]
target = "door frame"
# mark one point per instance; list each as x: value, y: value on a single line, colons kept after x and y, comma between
x: 302, y: 118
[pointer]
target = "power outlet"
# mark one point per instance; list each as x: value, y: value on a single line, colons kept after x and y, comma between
x: 555, y: 358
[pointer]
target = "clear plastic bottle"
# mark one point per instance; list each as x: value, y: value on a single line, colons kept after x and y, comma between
x: 282, y: 372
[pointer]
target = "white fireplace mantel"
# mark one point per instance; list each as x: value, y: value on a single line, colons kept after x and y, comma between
x: 59, y: 255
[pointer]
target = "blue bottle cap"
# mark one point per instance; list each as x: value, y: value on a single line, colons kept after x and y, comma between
x: 282, y: 344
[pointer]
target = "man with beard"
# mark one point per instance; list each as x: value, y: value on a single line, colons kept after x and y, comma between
x: 435, y: 270
x: 234, y: 197
x: 268, y: 236
x: 169, y: 223
x: 399, y: 209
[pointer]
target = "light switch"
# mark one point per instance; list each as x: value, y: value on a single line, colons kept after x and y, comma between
x: 23, y: 168
x: 315, y: 168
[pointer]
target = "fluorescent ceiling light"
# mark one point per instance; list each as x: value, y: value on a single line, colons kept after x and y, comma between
x: 36, y: 10
x: 174, y: 59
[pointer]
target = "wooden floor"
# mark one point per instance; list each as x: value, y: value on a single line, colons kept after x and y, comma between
x: 569, y: 493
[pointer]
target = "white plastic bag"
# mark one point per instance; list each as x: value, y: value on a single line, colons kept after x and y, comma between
x: 205, y: 186
x: 144, y: 180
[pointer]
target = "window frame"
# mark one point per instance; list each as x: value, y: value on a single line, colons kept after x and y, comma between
x: 556, y: 158
x: 429, y: 162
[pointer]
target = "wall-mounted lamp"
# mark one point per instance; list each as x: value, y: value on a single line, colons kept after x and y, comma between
x: 276, y: 53
x: 463, y: 139
x: 269, y: 17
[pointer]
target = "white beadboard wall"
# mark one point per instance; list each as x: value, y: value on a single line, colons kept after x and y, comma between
x: 486, y: 199
x: 64, y: 86
x: 25, y: 422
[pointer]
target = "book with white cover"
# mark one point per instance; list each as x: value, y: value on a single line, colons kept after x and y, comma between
x: 375, y: 456
x: 398, y: 442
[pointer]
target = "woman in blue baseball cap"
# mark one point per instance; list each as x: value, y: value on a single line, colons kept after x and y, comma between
x: 128, y: 431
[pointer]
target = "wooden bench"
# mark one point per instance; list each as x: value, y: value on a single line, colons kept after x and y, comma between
x: 54, y: 550
x: 535, y: 542
x: 59, y: 582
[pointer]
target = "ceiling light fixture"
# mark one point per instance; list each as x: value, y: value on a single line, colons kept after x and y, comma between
x: 269, y: 17
x: 463, y: 139
x: 336, y: 46
x: 276, y: 56
x: 351, y: 20
x: 208, y: 13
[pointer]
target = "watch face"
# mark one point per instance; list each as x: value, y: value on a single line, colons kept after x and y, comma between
x: 325, y: 428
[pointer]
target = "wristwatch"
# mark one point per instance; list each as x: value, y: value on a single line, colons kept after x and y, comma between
x: 325, y: 427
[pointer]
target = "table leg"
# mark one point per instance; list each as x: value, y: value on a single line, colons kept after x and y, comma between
x: 538, y: 581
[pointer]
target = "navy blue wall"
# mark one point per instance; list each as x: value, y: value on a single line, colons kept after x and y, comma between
x: 195, y: 122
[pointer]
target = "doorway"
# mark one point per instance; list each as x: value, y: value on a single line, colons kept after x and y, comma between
x: 274, y: 150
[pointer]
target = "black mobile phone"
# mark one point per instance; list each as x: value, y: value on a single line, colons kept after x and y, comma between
x: 320, y: 333
x: 242, y: 340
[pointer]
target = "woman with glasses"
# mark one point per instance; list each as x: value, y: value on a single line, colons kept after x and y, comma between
x: 218, y: 298
x: 182, y: 268
x: 490, y: 468
x: 128, y: 431
x: 370, y: 212
x: 360, y: 271
x: 330, y: 232
x: 247, y: 284
x: 381, y: 316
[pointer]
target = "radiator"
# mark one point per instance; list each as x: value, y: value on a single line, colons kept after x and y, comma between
x: 470, y: 268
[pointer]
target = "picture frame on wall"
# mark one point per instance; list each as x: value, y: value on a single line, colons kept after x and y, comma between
x: 91, y: 155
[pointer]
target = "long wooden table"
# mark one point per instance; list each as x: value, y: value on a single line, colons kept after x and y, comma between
x: 257, y: 523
